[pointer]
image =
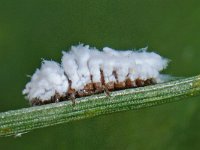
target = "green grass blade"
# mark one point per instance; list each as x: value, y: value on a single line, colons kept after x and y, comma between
x: 23, y: 120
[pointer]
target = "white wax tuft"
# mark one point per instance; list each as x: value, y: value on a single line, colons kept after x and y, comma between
x: 46, y: 82
x: 82, y: 65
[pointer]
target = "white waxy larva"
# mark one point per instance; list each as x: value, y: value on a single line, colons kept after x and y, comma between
x: 85, y: 71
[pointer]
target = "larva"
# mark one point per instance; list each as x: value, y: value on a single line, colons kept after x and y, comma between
x: 85, y: 71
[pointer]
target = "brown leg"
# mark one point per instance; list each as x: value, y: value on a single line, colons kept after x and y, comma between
x: 57, y: 98
x: 72, y: 98
x: 106, y: 91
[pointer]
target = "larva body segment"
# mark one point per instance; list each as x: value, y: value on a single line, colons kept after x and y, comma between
x: 85, y: 71
x: 47, y: 83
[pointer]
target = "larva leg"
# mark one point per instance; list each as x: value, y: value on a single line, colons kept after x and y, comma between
x: 36, y: 102
x: 73, y: 102
x: 57, y: 97
x: 106, y: 91
x: 72, y: 97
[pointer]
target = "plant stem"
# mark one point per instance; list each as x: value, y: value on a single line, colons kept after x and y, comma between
x: 23, y: 120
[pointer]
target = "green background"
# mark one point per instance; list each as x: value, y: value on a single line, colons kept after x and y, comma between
x: 35, y: 29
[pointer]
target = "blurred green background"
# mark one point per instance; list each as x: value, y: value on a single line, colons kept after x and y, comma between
x: 35, y: 29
